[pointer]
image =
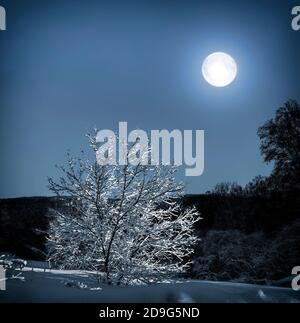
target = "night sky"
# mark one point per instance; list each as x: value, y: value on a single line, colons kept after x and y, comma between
x: 67, y: 66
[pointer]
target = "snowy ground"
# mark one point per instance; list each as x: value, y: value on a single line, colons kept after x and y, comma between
x: 44, y: 285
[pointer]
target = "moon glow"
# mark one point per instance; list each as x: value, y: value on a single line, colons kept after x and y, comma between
x: 219, y: 69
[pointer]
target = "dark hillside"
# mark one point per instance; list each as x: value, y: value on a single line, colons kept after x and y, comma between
x: 24, y: 221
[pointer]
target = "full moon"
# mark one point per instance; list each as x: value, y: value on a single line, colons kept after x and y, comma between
x: 219, y: 69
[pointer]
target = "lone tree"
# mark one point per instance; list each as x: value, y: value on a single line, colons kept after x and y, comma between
x: 280, y: 143
x: 125, y: 221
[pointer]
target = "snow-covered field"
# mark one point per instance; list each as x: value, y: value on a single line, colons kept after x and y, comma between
x: 44, y: 285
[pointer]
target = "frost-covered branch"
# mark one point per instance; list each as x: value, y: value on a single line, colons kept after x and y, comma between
x: 123, y: 220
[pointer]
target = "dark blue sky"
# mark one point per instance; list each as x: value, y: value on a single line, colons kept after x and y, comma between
x: 67, y: 66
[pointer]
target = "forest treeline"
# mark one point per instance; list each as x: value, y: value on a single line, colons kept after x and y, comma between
x: 252, y: 233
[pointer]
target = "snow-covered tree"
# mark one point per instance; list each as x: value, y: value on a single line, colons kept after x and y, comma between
x: 125, y: 221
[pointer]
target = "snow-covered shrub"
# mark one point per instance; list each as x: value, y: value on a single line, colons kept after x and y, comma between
x: 283, y: 253
x: 236, y: 256
x: 122, y: 220
x: 229, y: 255
x: 12, y: 265
x: 8, y: 261
x: 74, y: 284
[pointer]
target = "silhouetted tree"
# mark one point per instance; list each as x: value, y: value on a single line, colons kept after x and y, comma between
x: 280, y: 143
x: 258, y: 186
x: 227, y: 189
